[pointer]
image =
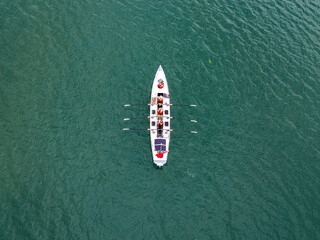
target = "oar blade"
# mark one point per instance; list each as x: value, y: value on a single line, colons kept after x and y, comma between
x: 126, y: 119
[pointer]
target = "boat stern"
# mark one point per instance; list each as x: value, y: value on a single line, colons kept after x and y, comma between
x: 160, y: 162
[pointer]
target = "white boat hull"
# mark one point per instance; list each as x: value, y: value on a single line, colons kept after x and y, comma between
x: 160, y: 139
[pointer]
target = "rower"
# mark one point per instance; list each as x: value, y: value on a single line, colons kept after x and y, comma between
x: 160, y: 124
x: 160, y: 127
x: 160, y: 99
x: 161, y: 85
x: 160, y: 112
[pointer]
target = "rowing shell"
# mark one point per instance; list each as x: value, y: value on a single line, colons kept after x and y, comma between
x: 160, y: 138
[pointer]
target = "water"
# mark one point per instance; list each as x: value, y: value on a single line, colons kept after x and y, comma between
x: 70, y: 172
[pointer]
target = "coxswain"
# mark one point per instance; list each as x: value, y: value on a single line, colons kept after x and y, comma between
x: 161, y: 85
x: 160, y: 112
x: 160, y: 124
x: 160, y: 154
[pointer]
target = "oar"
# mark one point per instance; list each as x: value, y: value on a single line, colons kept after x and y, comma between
x: 148, y: 129
x: 138, y: 129
x: 183, y: 131
x: 183, y: 119
x: 192, y: 105
x: 127, y: 119
x: 130, y: 105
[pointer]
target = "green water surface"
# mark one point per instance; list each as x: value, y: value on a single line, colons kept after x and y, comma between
x: 68, y: 171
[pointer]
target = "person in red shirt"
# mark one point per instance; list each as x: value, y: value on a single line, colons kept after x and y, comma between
x: 160, y: 154
x: 160, y: 112
x: 161, y: 85
x: 160, y: 124
x: 160, y: 99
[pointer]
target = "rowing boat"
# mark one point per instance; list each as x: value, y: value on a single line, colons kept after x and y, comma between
x: 160, y: 136
x: 160, y: 139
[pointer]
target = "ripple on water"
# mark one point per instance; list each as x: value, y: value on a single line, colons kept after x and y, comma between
x: 69, y: 171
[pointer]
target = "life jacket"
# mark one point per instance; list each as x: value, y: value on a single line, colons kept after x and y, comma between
x: 160, y: 112
x: 160, y: 100
x: 161, y: 85
x: 160, y: 124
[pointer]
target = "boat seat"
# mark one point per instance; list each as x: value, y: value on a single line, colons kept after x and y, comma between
x: 160, y: 144
x: 166, y: 112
